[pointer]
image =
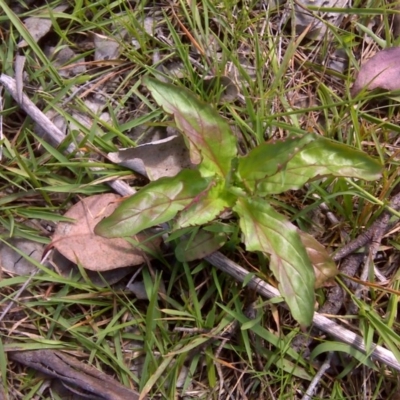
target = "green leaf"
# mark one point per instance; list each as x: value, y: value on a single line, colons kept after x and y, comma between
x: 251, y: 323
x: 345, y: 348
x: 206, y: 206
x: 202, y: 245
x: 320, y: 158
x: 210, y: 138
x: 269, y: 158
x: 324, y: 267
x: 268, y: 231
x: 156, y: 203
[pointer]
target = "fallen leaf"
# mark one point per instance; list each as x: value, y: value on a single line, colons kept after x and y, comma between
x: 38, y: 27
x: 68, y: 269
x: 61, y: 60
x: 324, y: 267
x: 105, y: 48
x: 75, y: 373
x: 318, y: 22
x: 165, y: 157
x: 148, y: 25
x: 12, y: 261
x: 223, y: 87
x: 379, y: 72
x: 77, y: 241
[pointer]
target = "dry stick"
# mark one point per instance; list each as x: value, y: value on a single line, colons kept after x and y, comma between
x: 377, y: 352
x: 325, y: 366
x: 217, y: 259
x: 373, y: 236
x: 335, y: 297
x: 369, y: 234
x: 1, y: 124
x: 19, y: 76
x: 54, y: 134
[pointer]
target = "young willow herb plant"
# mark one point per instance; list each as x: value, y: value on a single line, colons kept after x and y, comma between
x: 224, y: 180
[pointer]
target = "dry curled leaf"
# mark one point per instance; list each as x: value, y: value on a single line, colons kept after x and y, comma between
x: 67, y: 269
x: 165, y: 157
x: 223, y: 86
x: 12, y: 260
x: 76, y: 374
x: 379, y: 72
x: 318, y: 22
x: 324, y: 267
x: 77, y: 241
x: 40, y: 26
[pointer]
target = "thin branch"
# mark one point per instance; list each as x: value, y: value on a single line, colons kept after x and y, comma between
x: 366, y: 237
x: 334, y: 330
x: 54, y: 135
x: 317, y: 378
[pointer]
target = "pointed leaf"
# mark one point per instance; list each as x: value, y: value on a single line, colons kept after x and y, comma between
x: 202, y: 245
x: 206, y: 206
x: 210, y: 138
x: 268, y: 231
x: 320, y: 158
x: 156, y: 203
x: 269, y: 158
x: 324, y: 267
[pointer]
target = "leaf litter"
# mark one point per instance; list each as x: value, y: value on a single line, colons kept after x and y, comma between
x: 38, y: 27
x: 379, y: 72
x: 78, y: 243
x: 11, y: 259
x: 159, y: 158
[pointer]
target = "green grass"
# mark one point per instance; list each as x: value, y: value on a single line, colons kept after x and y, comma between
x: 139, y: 342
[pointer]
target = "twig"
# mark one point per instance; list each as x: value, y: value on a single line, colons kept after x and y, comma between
x: 1, y: 124
x: 335, y: 297
x: 18, y: 294
x: 55, y: 136
x: 369, y: 234
x: 377, y: 352
x: 326, y: 365
x: 19, y: 76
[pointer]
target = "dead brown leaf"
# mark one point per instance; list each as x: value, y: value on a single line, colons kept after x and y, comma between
x: 67, y: 268
x: 77, y: 241
x: 12, y: 261
x: 74, y: 372
x: 379, y: 72
x: 324, y: 267
x: 165, y: 157
x: 39, y: 26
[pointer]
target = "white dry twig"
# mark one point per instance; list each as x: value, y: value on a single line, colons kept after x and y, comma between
x: 1, y: 123
x: 317, y: 378
x: 333, y: 329
x: 19, y: 76
x: 55, y: 135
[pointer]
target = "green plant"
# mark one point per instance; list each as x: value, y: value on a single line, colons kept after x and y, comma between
x: 224, y: 180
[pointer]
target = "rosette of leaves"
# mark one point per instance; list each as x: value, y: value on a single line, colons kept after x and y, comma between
x: 223, y: 180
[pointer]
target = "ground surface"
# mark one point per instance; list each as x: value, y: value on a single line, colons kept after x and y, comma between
x: 187, y: 330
